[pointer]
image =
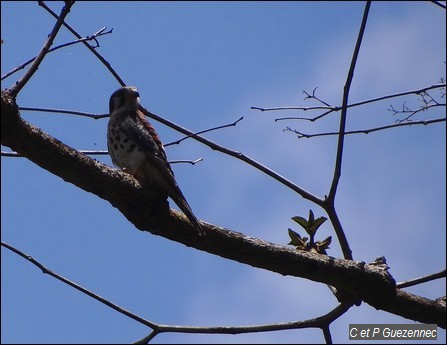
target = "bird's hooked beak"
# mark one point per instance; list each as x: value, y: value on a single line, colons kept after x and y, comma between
x: 132, y: 98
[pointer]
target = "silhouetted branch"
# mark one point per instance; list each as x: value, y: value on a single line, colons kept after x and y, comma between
x: 93, y: 50
x: 330, y: 208
x: 205, y: 131
x: 93, y: 37
x: 330, y: 109
x: 321, y: 322
x: 239, y: 155
x: 438, y: 3
x: 187, y: 161
x: 43, y: 52
x: 429, y: 101
x: 62, y: 111
x: 421, y: 280
x: 365, y: 131
x: 312, y: 96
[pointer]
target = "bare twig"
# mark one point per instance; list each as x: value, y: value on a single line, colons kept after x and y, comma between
x: 321, y: 322
x: 421, y: 280
x: 331, y: 109
x: 365, y: 131
x: 93, y: 50
x: 429, y: 102
x: 187, y: 161
x: 43, y: 52
x: 239, y: 155
x: 338, y: 108
x: 101, y: 153
x: 97, y: 34
x: 327, y: 335
x: 62, y: 111
x: 205, y: 131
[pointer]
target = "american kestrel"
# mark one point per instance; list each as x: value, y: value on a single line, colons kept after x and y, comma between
x: 136, y: 148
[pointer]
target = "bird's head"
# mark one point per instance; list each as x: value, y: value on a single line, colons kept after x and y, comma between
x: 125, y: 98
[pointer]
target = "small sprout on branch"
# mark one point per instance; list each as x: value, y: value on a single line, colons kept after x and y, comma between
x: 311, y: 226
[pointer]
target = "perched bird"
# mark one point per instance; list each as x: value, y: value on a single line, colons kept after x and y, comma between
x: 136, y: 148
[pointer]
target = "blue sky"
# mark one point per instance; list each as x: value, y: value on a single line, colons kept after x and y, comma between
x: 204, y: 64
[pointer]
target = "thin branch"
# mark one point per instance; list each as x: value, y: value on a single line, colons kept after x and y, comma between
x: 365, y: 131
x: 205, y: 131
x: 101, y: 153
x: 312, y: 96
x: 330, y: 209
x: 338, y: 108
x: 421, y: 280
x: 406, y: 110
x: 239, y: 155
x: 45, y: 270
x: 194, y: 162
x: 438, y: 3
x: 340, y: 146
x: 147, y: 338
x: 298, y: 108
x: 62, y: 111
x: 43, y: 52
x: 321, y: 322
x: 97, y: 34
x: 93, y: 50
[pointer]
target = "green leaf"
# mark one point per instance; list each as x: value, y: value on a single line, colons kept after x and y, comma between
x: 326, y: 242
x: 295, y: 238
x: 318, y: 222
x: 323, y: 245
x: 297, y: 241
x: 301, y: 221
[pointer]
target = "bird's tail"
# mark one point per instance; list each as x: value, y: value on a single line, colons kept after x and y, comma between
x: 186, y: 209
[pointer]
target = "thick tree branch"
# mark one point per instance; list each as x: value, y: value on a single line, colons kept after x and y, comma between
x: 148, y: 212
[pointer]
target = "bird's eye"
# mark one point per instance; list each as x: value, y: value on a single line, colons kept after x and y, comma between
x: 137, y: 94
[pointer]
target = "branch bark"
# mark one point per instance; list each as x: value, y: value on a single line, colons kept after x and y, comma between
x: 148, y: 212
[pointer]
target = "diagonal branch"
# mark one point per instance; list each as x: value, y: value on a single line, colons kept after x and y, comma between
x: 421, y: 280
x: 239, y: 155
x: 99, y: 33
x: 341, y: 137
x: 93, y: 50
x: 43, y: 52
x: 329, y: 202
